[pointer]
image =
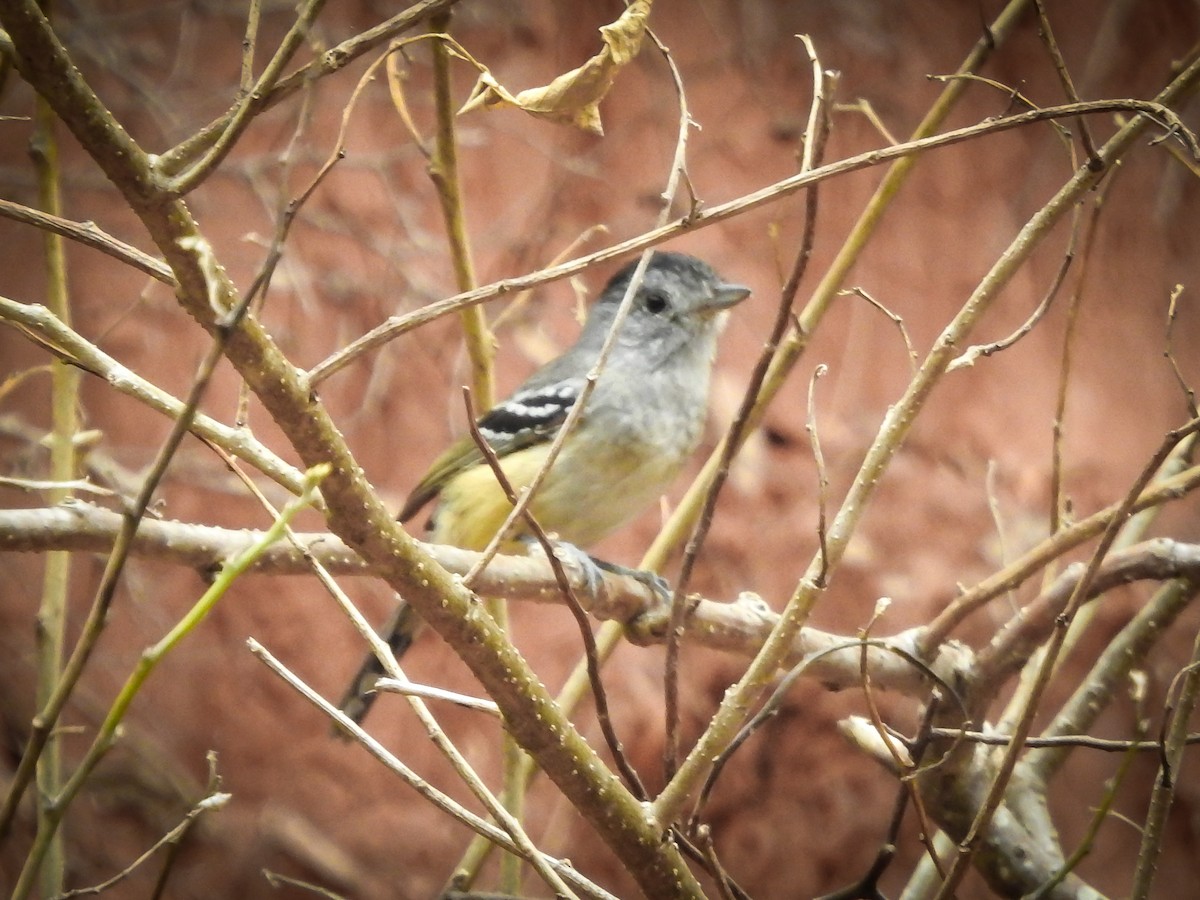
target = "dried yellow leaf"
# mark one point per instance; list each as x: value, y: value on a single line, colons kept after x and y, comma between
x: 573, y: 98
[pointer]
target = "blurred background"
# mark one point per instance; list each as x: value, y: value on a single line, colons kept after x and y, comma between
x: 795, y: 815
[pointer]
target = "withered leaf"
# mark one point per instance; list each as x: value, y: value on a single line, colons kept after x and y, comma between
x: 573, y: 98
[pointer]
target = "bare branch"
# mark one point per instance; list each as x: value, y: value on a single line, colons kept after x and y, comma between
x: 42, y: 326
x: 398, y: 325
x: 332, y: 60
x: 88, y: 234
x: 454, y: 809
x: 737, y: 627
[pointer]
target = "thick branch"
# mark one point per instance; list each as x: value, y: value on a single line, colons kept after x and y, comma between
x: 739, y: 627
x: 355, y: 512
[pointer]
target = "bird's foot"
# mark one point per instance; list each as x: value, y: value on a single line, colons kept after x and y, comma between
x: 592, y: 571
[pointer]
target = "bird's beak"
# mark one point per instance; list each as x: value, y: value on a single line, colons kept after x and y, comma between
x: 725, y: 296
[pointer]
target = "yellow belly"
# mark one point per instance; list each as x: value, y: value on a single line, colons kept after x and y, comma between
x: 585, y: 496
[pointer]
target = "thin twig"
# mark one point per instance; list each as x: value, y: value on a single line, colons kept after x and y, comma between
x: 442, y: 801
x: 520, y: 300
x: 395, y: 79
x: 993, y: 503
x: 725, y: 884
x: 864, y: 106
x: 275, y: 880
x: 677, y: 167
x: 1014, y: 95
x: 913, y: 359
x: 1175, y: 738
x: 47, y: 716
x: 478, y: 341
x: 1046, y: 33
x: 1189, y: 392
x: 814, y: 441
x: 90, y: 235
x: 249, y: 45
x: 211, y: 802
x: 1057, y: 499
x: 429, y: 692
x: 283, y: 226
x: 1062, y: 741
x: 1162, y: 116
x: 818, y: 132
x: 632, y: 780
x: 74, y: 485
x: 973, y: 353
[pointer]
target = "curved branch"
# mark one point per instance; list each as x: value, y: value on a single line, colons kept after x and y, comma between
x: 1161, y: 559
x: 694, y: 220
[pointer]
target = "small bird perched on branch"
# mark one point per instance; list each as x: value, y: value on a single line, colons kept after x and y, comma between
x: 640, y: 424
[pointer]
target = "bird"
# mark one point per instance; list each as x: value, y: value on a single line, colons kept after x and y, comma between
x: 640, y: 425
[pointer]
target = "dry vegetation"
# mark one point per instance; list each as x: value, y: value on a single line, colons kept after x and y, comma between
x: 983, y: 406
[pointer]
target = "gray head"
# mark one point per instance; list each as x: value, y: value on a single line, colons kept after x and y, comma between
x: 678, y: 307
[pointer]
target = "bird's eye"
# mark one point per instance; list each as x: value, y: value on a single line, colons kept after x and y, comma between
x: 656, y: 302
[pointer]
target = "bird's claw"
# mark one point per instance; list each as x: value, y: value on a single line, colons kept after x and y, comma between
x: 592, y: 571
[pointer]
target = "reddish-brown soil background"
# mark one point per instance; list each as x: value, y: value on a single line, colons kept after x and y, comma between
x: 797, y: 814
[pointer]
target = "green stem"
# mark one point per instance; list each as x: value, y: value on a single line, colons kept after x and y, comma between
x: 57, y: 805
x: 443, y: 170
x: 479, y: 342
x: 52, y: 612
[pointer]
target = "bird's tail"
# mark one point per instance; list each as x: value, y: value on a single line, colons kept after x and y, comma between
x: 399, y: 634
